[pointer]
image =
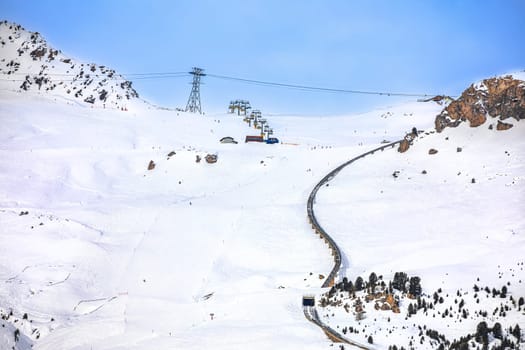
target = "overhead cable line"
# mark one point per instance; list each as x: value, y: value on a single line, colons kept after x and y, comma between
x: 315, y: 88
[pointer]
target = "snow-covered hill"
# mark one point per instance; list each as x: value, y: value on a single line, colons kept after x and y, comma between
x: 119, y: 256
x: 28, y: 62
x: 454, y: 219
x: 449, y: 212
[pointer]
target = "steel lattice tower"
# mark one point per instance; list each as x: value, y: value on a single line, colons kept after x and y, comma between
x: 194, y: 101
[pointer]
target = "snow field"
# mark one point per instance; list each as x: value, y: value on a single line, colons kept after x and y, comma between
x: 437, y: 225
x: 196, y: 255
x: 125, y: 257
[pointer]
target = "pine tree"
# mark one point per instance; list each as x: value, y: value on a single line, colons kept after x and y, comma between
x: 400, y: 280
x: 410, y: 309
x: 372, y: 280
x: 359, y: 284
x: 482, y: 332
x: 415, y: 286
x: 517, y: 332
x: 497, y: 331
x: 345, y: 284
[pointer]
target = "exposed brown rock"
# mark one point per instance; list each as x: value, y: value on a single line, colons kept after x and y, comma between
x: 432, y: 151
x: 503, y: 126
x: 502, y: 97
x: 407, y: 141
x: 211, y: 158
x: 151, y: 165
x: 442, y: 121
x: 390, y: 300
x: 403, y: 146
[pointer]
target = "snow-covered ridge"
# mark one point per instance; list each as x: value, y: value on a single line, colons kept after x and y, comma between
x: 28, y: 62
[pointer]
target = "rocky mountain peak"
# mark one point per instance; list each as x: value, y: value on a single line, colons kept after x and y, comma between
x: 499, y: 98
x: 28, y: 62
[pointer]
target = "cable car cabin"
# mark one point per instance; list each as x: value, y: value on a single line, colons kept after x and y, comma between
x: 308, y: 300
x: 254, y: 139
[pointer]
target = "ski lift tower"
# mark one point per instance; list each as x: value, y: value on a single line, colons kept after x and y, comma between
x: 194, y: 101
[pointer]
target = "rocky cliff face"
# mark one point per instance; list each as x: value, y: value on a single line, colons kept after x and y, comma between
x: 28, y: 62
x: 499, y: 98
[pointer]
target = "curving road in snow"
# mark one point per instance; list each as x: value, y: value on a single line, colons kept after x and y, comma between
x: 310, y: 312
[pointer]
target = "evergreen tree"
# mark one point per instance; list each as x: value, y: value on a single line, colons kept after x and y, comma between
x: 372, y: 280
x: 345, y: 283
x: 517, y: 332
x: 410, y: 309
x: 497, y: 331
x: 349, y: 287
x: 482, y: 331
x: 359, y: 284
x: 400, y: 280
x: 415, y: 286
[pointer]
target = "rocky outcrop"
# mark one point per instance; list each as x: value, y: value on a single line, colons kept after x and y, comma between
x: 501, y: 97
x: 503, y: 126
x: 211, y: 158
x: 404, y: 145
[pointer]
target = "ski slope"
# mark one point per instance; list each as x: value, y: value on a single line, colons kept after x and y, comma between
x: 188, y: 255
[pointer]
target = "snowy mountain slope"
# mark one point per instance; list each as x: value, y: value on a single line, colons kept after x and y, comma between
x: 123, y: 257
x: 453, y: 218
x: 28, y: 62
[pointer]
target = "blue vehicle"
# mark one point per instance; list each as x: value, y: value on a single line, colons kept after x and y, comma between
x: 272, y: 140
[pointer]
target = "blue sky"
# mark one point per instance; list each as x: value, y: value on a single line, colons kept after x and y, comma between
x: 390, y: 45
